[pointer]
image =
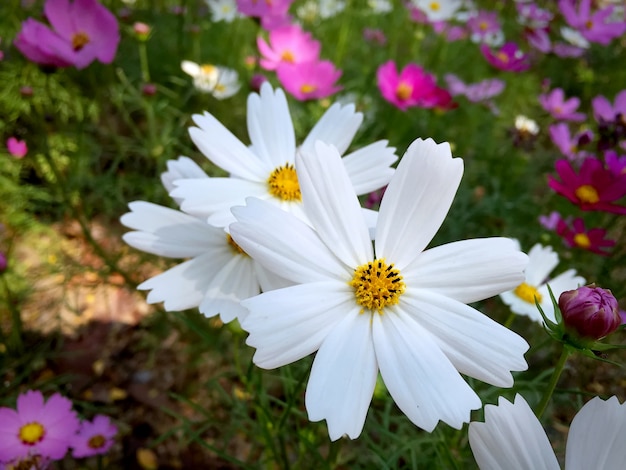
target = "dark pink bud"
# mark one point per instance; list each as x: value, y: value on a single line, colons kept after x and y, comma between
x: 3, y: 262
x: 256, y: 81
x: 590, y: 311
x: 148, y: 89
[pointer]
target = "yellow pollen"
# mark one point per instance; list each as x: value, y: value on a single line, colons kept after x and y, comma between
x: 32, y: 433
x: 283, y: 183
x: 403, y: 91
x: 435, y: 6
x: 582, y: 240
x: 208, y: 69
x: 503, y: 57
x: 308, y: 88
x: 97, y: 441
x: 377, y: 285
x: 527, y: 293
x: 79, y: 40
x: 483, y: 26
x: 589, y: 24
x: 234, y: 245
x: 587, y: 193
x: 288, y: 56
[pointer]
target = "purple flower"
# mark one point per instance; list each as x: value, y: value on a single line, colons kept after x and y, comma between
x: 603, y: 110
x: 83, y: 31
x: 592, y: 25
x: 485, y: 27
x: 570, y: 145
x: 509, y: 57
x: 94, y: 437
x: 550, y: 221
x: 539, y: 39
x: 3, y: 262
x: 474, y: 92
x: 37, y: 428
x: 17, y: 148
x: 592, y: 312
x: 615, y: 163
x: 555, y: 103
x: 532, y: 16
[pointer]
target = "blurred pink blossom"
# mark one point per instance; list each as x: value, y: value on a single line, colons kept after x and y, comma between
x: 83, y: 31
x: 17, y: 148
x: 374, y: 35
x: 273, y: 14
x: 94, y: 437
x: 309, y: 80
x: 576, y: 235
x: 411, y: 87
x: 288, y: 44
x: 555, y: 103
x: 570, y: 145
x: 474, y: 92
x: 509, y: 57
x: 595, y: 26
x: 485, y: 27
x: 604, y: 111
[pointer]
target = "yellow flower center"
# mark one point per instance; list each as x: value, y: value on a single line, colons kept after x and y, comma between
x: 587, y: 193
x: 502, y: 57
x: 527, y: 293
x: 234, y: 245
x: 582, y: 240
x: 377, y: 285
x: 97, y: 441
x: 79, y: 40
x: 32, y: 433
x: 288, y: 56
x: 483, y: 26
x: 435, y: 6
x: 403, y: 91
x: 283, y: 183
x: 308, y: 88
x: 208, y: 69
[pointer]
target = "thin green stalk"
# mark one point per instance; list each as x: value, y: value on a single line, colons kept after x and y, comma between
x: 15, y: 335
x: 556, y: 374
x: 143, y: 62
x: 509, y: 320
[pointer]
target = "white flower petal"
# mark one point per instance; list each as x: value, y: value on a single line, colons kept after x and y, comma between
x: 225, y: 150
x: 343, y: 376
x: 541, y: 261
x: 168, y: 232
x: 190, y: 68
x: 270, y: 127
x: 331, y: 205
x: 419, y: 377
x: 182, y: 168
x: 596, y: 436
x: 469, y: 270
x: 522, y: 307
x: 288, y: 324
x: 369, y: 167
x: 205, y: 197
x: 284, y: 244
x: 416, y: 201
x: 475, y: 344
x: 511, y: 438
x: 336, y: 127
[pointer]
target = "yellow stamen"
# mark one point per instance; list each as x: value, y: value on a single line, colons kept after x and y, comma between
x: 503, y: 57
x: 283, y: 183
x: 79, y: 40
x: 527, y: 293
x: 403, y: 91
x: 288, y: 56
x: 435, y: 6
x: 377, y: 285
x: 587, y: 193
x: 32, y: 433
x: 234, y: 245
x: 483, y: 26
x: 97, y: 441
x: 582, y: 240
x: 208, y: 69
x: 308, y: 88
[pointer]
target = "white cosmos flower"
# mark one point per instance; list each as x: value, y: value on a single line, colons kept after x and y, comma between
x: 396, y: 308
x: 512, y: 438
x: 218, y: 275
x: 223, y: 10
x: 221, y: 82
x: 266, y: 168
x: 438, y: 10
x: 541, y: 262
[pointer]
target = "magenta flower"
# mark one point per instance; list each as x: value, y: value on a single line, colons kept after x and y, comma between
x: 309, y: 80
x: 539, y: 39
x: 593, y: 188
x: 508, y: 58
x: 94, y: 437
x: 590, y: 311
x: 411, y: 87
x: 37, y: 428
x: 474, y: 92
x: 531, y: 15
x: 3, y: 262
x: 604, y: 111
x: 272, y: 13
x: 594, y: 26
x: 288, y: 44
x: 375, y: 35
x: 570, y: 145
x: 577, y: 236
x: 83, y: 31
x: 615, y: 163
x: 555, y: 103
x: 484, y: 27
x: 17, y: 148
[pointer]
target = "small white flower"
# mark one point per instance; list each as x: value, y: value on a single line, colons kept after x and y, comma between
x: 525, y: 125
x: 380, y: 6
x: 541, y: 262
x: 223, y: 10
x: 330, y: 8
x: 395, y: 307
x: 512, y: 438
x: 438, y: 10
x: 574, y: 37
x: 221, y: 82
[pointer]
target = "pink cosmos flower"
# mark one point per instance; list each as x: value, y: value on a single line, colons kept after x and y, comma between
x: 17, y: 148
x: 288, y: 44
x: 531, y: 15
x: 539, y: 39
x: 83, y: 31
x: 37, y: 428
x: 594, y: 26
x: 615, y: 163
x: 577, y: 236
x: 409, y: 88
x: 570, y: 145
x: 485, y: 27
x: 474, y: 92
x: 603, y: 110
x: 309, y: 80
x: 555, y: 103
x: 550, y: 221
x: 593, y: 188
x: 375, y: 35
x: 94, y: 437
x: 509, y: 57
x: 273, y: 13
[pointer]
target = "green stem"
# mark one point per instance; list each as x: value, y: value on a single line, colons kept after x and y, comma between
x: 15, y: 335
x: 509, y: 320
x: 143, y: 61
x: 556, y: 374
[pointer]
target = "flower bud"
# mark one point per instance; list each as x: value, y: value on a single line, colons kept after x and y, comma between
x: 142, y: 31
x: 590, y: 311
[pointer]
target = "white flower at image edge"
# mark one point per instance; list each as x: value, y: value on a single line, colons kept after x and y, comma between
x: 541, y: 262
x: 512, y: 438
x: 266, y: 169
x: 402, y: 311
